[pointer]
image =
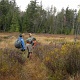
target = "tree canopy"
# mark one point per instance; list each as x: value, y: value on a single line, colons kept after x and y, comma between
x: 38, y: 20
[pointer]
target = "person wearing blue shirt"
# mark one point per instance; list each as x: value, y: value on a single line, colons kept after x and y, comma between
x: 22, y: 43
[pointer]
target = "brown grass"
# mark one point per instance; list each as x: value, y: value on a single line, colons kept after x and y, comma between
x: 8, y: 39
x: 34, y: 69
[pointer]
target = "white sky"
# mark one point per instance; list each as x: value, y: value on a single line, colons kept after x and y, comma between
x: 59, y: 4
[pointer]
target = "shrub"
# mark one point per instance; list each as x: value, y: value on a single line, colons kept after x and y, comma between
x: 9, y: 65
x: 73, y: 60
x: 61, y: 62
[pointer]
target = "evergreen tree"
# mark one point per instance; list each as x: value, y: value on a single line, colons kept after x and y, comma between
x: 14, y: 27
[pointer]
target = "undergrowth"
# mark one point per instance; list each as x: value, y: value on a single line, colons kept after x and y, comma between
x: 49, y: 62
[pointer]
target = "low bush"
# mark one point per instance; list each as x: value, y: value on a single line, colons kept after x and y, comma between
x: 55, y: 63
x: 10, y: 66
x: 61, y: 62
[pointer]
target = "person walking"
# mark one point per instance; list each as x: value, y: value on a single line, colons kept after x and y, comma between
x: 29, y: 49
x: 22, y: 42
x: 32, y: 40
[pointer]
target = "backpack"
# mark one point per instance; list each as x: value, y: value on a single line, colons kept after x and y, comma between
x: 31, y: 40
x: 18, y: 43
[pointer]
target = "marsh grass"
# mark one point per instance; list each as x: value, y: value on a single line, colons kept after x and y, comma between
x: 54, y: 58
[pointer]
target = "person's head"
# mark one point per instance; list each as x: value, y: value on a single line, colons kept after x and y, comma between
x: 30, y: 34
x: 20, y: 35
x: 27, y: 41
x: 34, y: 39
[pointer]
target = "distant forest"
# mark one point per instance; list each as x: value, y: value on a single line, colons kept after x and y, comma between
x: 35, y: 19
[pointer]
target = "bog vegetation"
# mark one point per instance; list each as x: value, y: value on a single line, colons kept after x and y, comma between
x: 53, y: 58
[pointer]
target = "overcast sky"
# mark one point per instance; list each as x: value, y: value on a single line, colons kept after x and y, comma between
x: 59, y: 4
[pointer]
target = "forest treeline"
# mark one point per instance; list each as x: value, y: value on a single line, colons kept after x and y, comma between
x: 35, y: 19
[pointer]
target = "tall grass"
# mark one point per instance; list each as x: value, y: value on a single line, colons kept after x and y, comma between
x: 10, y: 65
x: 14, y: 66
x: 61, y: 62
x: 49, y: 63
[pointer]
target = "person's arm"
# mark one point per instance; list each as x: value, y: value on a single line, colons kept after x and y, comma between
x: 34, y: 43
x: 23, y: 44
